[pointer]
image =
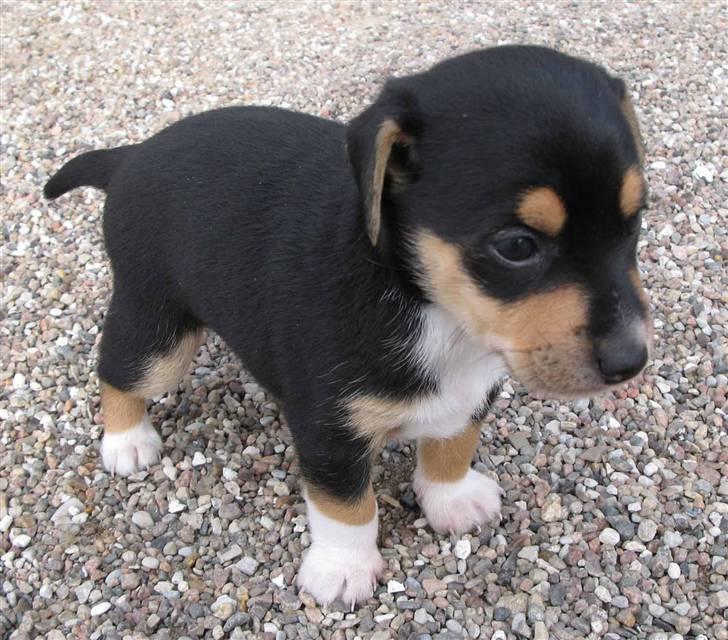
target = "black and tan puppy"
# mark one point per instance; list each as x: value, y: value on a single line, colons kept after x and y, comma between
x: 478, y: 219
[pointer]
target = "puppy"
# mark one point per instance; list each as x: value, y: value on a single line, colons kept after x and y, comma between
x: 380, y: 278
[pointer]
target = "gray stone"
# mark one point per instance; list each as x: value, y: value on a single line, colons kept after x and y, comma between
x: 142, y: 519
x: 647, y: 530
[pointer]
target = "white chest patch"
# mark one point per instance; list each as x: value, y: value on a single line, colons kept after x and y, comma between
x: 465, y: 370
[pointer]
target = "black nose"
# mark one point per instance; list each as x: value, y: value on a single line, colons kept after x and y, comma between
x: 621, y: 358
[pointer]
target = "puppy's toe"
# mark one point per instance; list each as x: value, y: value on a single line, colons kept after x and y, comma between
x: 458, y: 507
x: 126, y: 452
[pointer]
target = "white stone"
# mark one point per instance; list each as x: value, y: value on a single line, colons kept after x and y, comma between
x: 462, y: 549
x: 100, y: 608
x: 70, y: 508
x: 5, y: 522
x: 651, y: 469
x: 149, y: 562
x: 602, y: 593
x: 175, y: 506
x: 673, y: 570
x: 22, y: 540
x: 166, y: 589
x: 704, y: 171
x: 609, y: 536
x: 672, y: 539
x: 198, y: 459
x: 18, y: 381
x: 394, y: 587
x: 279, y: 581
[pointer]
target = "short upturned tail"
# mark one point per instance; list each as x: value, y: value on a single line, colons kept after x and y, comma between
x: 92, y: 169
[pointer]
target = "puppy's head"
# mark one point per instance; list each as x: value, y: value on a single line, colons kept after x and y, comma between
x: 506, y: 185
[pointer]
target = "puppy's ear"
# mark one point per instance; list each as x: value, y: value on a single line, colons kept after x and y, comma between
x: 382, y: 148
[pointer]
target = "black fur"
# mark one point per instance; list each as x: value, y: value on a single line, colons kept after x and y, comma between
x: 251, y: 221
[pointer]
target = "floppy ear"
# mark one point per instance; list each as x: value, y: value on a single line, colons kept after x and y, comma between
x: 382, y: 148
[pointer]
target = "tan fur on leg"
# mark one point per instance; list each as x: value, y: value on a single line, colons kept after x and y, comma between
x: 448, y: 460
x: 352, y: 513
x: 122, y: 410
x: 164, y: 372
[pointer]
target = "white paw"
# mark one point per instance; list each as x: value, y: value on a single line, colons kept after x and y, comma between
x: 347, y: 574
x: 458, y: 507
x: 131, y: 450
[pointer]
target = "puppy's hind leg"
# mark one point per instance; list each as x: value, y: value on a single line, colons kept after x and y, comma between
x: 145, y: 351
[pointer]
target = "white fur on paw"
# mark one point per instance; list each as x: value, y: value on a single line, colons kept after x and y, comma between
x: 131, y: 450
x: 343, y: 561
x: 350, y: 575
x: 458, y: 507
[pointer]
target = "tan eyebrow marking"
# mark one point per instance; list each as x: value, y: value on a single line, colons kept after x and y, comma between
x: 542, y: 209
x: 632, y: 192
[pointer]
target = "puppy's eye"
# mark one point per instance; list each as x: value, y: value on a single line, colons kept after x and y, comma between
x: 516, y: 248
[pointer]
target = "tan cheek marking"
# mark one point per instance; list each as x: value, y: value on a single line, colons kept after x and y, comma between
x: 631, y: 117
x: 543, y: 210
x: 444, y: 278
x: 164, y: 372
x: 632, y: 192
x: 536, y: 321
x: 546, y: 319
x: 448, y: 460
x: 122, y: 410
x: 352, y: 513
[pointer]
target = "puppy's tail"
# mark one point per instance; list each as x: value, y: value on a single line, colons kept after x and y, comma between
x: 92, y: 169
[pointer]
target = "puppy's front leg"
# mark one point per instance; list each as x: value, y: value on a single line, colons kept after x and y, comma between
x: 454, y: 497
x: 343, y: 560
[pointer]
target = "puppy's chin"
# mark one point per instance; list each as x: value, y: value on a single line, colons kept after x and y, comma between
x: 588, y: 386
x: 558, y: 380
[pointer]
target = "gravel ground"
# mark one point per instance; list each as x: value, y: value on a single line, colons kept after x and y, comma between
x: 616, y: 511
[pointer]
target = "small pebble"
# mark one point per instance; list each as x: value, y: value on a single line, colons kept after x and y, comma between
x: 609, y: 536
